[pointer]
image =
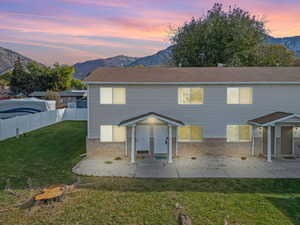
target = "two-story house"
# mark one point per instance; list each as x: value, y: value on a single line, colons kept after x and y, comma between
x: 165, y: 112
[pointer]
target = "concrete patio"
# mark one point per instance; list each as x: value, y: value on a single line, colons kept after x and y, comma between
x: 202, y: 167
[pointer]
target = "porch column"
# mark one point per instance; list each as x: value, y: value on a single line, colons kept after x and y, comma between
x: 253, y: 140
x: 275, y: 141
x: 133, y: 144
x: 170, y: 145
x: 269, y: 148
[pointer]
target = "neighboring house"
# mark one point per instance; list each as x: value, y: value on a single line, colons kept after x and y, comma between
x: 71, y: 97
x: 167, y: 112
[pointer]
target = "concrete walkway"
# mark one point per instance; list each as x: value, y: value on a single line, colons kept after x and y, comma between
x: 203, y: 167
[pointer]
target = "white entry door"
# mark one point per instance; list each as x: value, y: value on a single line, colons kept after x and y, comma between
x: 142, y: 138
x: 160, y: 139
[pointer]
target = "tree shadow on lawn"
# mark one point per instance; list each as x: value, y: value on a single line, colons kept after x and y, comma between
x: 289, y: 206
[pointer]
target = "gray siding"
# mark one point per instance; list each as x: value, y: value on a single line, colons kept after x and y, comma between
x: 214, y: 115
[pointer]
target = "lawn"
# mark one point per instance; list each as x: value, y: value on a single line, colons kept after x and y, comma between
x: 46, y: 156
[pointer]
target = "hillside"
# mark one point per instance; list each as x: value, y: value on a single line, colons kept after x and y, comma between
x: 8, y: 58
x: 292, y: 43
x: 160, y: 58
x: 83, y: 69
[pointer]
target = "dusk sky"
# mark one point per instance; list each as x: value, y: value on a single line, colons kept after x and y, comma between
x: 70, y: 31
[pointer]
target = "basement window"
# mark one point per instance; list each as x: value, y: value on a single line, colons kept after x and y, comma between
x: 239, y: 133
x: 190, y: 133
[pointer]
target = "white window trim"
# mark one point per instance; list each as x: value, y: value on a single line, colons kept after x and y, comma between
x: 189, y: 140
x: 240, y: 141
x: 112, y: 96
x: 239, y: 96
x: 112, y: 135
x: 189, y: 88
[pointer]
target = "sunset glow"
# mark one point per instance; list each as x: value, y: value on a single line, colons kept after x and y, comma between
x: 69, y: 31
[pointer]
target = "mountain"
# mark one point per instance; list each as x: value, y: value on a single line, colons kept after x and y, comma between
x: 161, y: 58
x: 8, y: 58
x: 158, y: 59
x: 83, y: 69
x: 292, y: 43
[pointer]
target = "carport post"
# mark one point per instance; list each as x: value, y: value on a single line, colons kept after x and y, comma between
x: 269, y: 149
x: 133, y: 144
x: 170, y: 145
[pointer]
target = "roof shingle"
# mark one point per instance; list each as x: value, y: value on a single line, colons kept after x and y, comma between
x: 194, y: 74
x: 270, y: 117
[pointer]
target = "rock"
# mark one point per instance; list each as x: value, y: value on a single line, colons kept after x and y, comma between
x: 226, y: 220
x: 184, y: 219
x: 178, y: 206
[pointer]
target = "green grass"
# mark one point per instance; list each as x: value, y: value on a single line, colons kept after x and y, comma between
x: 47, y: 156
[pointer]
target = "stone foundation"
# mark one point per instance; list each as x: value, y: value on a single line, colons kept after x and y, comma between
x: 214, y: 147
x: 95, y: 147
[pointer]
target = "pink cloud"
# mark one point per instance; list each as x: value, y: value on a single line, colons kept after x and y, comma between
x: 132, y: 19
x: 114, y: 3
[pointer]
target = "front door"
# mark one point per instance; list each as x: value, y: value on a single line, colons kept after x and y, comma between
x: 286, y: 140
x: 160, y: 139
x: 142, y: 138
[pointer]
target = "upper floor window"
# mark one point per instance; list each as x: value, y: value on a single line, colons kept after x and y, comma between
x: 190, y: 133
x: 110, y: 133
x: 239, y: 95
x: 112, y: 95
x: 239, y: 133
x: 190, y: 95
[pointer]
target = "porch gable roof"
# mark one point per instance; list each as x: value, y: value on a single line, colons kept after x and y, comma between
x: 272, y: 118
x: 142, y: 117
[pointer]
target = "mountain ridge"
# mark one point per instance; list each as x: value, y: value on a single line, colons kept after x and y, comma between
x: 163, y: 57
x: 292, y: 43
x: 160, y: 58
x: 8, y: 58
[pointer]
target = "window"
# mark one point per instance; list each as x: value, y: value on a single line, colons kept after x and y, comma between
x: 190, y: 133
x: 112, y: 133
x: 239, y: 133
x: 239, y: 95
x: 190, y: 96
x: 112, y: 95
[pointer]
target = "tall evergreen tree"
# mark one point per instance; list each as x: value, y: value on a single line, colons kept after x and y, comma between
x: 21, y: 81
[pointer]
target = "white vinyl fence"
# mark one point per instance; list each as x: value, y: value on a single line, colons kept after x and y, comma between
x: 22, y: 124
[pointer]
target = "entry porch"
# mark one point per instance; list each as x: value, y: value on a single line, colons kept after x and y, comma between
x: 276, y: 135
x: 151, y: 135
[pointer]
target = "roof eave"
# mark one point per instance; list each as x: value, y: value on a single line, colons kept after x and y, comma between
x: 157, y: 116
x: 272, y: 123
x: 165, y: 83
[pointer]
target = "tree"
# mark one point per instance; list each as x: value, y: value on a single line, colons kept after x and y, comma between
x: 3, y: 82
x: 37, y: 77
x: 54, y: 96
x: 40, y: 75
x: 21, y: 81
x: 273, y: 55
x: 228, y: 37
x: 60, y: 77
x: 295, y: 61
x: 5, y: 79
x: 77, y: 84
